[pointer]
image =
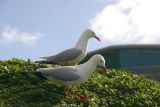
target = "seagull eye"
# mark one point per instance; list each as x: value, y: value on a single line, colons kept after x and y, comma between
x: 93, y: 33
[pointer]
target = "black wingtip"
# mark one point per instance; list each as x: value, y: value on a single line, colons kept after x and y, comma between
x: 40, y: 62
x: 40, y: 75
x: 45, y: 62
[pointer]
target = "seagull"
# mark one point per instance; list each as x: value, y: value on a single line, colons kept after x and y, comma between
x: 72, y: 56
x: 70, y: 76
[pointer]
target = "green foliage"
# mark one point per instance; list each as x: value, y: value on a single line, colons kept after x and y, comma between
x: 19, y: 87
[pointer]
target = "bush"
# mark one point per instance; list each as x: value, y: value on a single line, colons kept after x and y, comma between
x: 19, y: 87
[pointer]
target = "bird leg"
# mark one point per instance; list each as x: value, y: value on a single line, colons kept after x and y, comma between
x: 83, y: 97
x: 66, y: 64
x: 65, y: 92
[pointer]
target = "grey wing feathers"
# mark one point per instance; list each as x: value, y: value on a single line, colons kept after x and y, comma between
x: 63, y: 74
x: 66, y: 55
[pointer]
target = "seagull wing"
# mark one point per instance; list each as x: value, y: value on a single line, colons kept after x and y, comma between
x: 64, y: 56
x: 62, y: 74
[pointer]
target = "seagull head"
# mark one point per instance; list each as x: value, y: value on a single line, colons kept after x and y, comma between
x: 100, y: 61
x: 91, y: 34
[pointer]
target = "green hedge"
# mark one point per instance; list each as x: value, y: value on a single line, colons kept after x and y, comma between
x: 19, y: 87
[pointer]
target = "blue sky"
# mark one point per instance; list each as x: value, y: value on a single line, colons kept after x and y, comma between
x: 33, y: 28
x: 60, y: 21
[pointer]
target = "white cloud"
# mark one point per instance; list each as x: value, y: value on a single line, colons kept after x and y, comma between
x: 11, y: 35
x: 30, y: 38
x: 129, y: 21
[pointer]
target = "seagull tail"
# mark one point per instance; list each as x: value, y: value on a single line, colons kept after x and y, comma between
x: 44, y: 57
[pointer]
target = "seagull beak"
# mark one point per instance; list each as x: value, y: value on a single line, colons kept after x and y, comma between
x: 104, y: 70
x: 97, y: 38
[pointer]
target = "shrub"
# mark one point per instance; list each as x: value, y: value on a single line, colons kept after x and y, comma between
x: 19, y: 87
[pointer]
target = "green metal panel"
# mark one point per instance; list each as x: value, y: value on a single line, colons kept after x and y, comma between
x: 140, y: 59
x: 143, y: 57
x: 112, y: 59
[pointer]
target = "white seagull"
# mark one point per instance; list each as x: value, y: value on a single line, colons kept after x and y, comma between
x: 73, y: 75
x: 73, y: 55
